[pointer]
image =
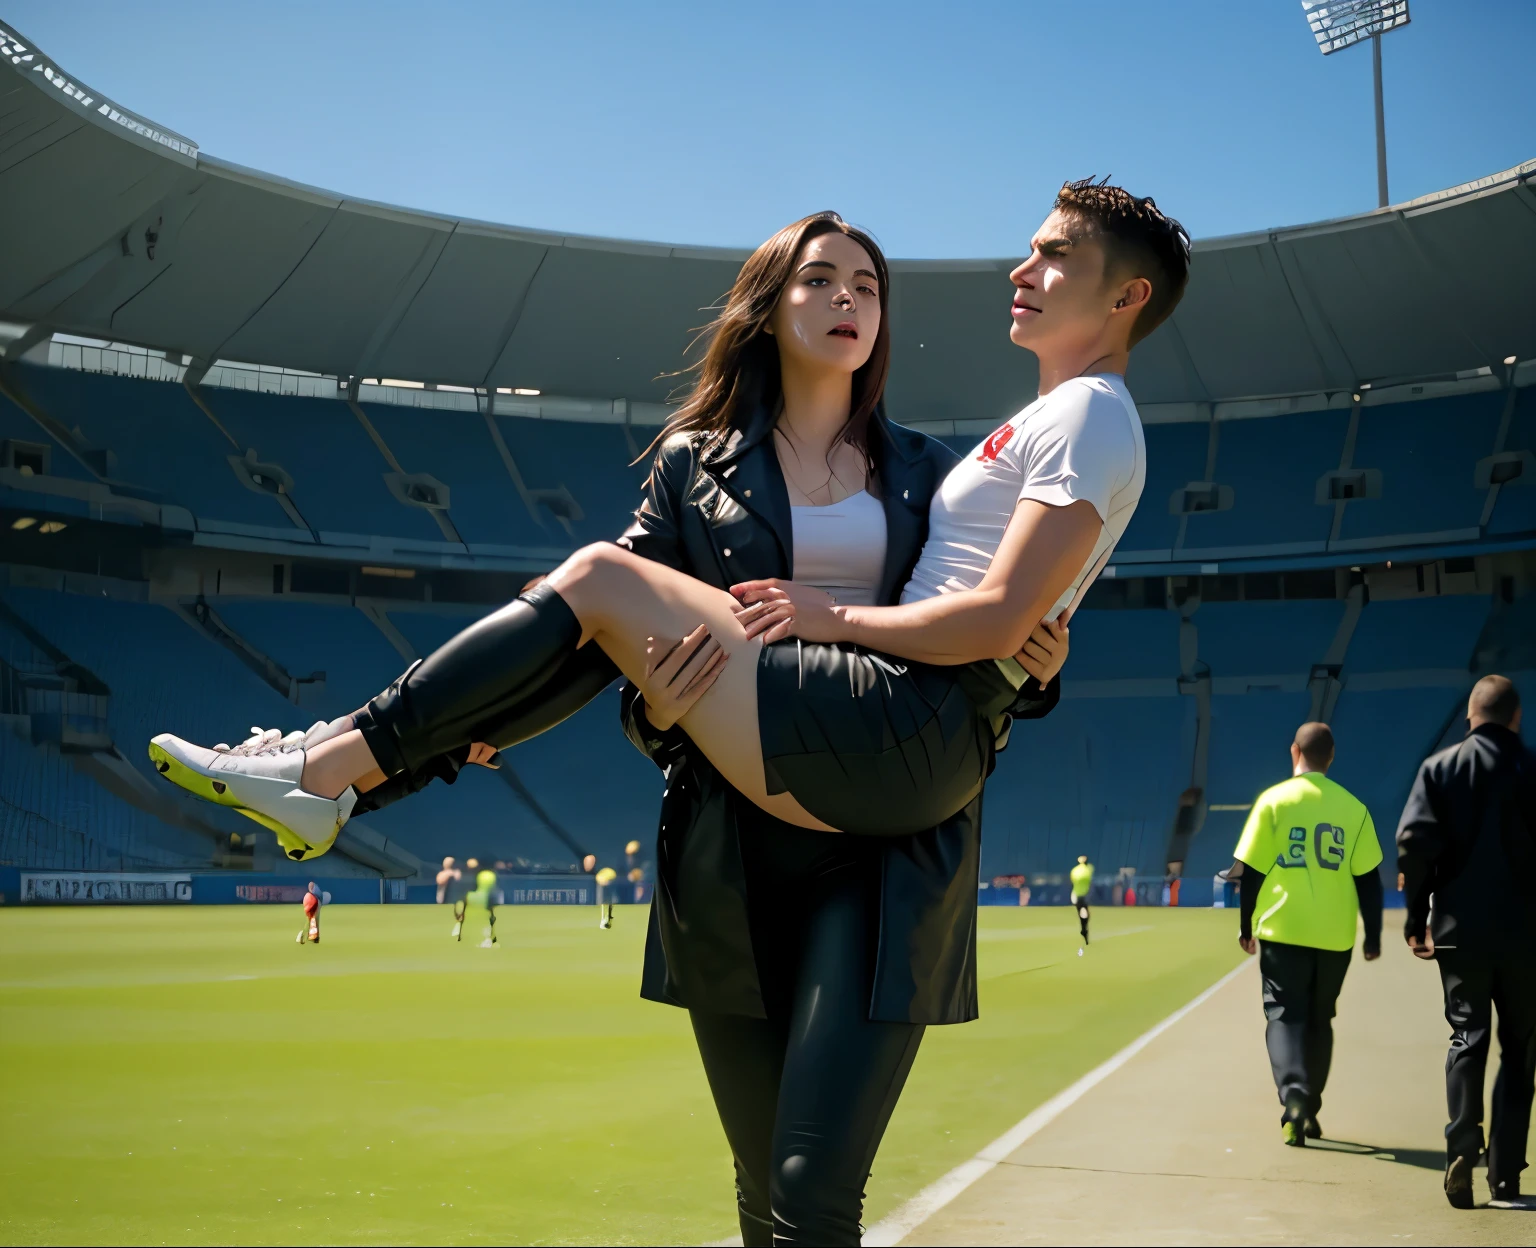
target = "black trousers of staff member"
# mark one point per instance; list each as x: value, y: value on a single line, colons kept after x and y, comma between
x: 1475, y: 985
x: 1301, y: 994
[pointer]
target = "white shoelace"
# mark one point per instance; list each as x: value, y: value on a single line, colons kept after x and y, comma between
x: 265, y: 741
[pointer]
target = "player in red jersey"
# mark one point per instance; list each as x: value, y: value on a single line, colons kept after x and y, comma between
x: 311, y: 929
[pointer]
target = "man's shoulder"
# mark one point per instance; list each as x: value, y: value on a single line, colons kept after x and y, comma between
x: 1288, y: 791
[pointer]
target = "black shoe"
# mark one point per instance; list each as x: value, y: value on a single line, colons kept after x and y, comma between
x: 1458, y: 1183
x: 1506, y: 1190
x: 1311, y: 1128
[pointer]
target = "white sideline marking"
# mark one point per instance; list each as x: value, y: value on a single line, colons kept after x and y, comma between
x: 891, y: 1229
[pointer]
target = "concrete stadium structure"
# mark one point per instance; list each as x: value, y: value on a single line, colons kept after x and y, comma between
x: 268, y: 410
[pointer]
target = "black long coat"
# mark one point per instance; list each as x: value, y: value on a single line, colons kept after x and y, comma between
x: 721, y: 513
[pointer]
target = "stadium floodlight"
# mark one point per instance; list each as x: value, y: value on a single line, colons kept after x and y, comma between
x: 1340, y: 24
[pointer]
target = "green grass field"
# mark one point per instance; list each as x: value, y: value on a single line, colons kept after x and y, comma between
x: 192, y: 1075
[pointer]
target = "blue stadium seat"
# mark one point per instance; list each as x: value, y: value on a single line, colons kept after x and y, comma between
x: 456, y: 448
x: 1121, y: 645
x: 1266, y: 638
x: 1417, y: 633
x: 1515, y: 511
x: 338, y: 473
x: 1426, y: 452
x: 1273, y: 465
x: 161, y: 440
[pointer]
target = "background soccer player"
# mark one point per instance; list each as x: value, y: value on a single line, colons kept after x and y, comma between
x: 1082, y: 880
x: 1309, y: 853
x: 480, y: 908
x: 311, y: 929
x: 446, y: 879
x: 458, y: 890
x: 607, y: 888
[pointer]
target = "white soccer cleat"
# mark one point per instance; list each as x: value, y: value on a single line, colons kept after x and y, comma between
x: 260, y: 779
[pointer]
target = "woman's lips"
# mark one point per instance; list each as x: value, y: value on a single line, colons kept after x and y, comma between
x: 1024, y: 309
x: 844, y: 329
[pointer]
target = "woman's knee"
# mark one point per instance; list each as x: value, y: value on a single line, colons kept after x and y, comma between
x: 816, y: 1200
x: 585, y: 576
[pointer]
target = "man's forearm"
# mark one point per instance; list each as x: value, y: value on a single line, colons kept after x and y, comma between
x: 1248, y: 886
x: 962, y: 627
x: 1368, y: 888
x: 1043, y: 549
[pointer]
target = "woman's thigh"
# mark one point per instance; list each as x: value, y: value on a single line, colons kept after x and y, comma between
x: 623, y: 601
x: 743, y: 1059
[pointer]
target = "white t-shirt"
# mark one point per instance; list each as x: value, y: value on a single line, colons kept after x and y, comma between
x: 1080, y: 442
x: 841, y: 548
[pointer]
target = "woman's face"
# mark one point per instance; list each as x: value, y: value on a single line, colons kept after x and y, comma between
x: 829, y: 314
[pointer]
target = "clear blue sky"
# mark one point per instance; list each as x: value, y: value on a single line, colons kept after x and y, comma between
x: 945, y: 128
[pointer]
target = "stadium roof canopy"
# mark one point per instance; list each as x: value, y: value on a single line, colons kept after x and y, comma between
x: 116, y: 228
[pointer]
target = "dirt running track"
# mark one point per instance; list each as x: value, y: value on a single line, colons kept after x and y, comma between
x: 1182, y: 1144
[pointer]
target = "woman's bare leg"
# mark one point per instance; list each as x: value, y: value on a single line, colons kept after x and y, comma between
x: 622, y: 601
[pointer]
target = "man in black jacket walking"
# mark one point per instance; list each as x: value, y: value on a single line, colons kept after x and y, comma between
x: 1466, y: 848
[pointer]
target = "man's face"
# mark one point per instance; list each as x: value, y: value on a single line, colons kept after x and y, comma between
x: 1062, y: 298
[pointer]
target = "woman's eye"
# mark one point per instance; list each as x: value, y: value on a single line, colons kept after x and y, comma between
x: 868, y: 290
x: 816, y: 281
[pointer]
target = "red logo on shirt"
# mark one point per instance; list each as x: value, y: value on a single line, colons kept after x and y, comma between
x: 994, y: 444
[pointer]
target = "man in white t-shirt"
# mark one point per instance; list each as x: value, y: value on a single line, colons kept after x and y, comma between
x: 1022, y: 525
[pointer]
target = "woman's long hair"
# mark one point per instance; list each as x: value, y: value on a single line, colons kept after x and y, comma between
x: 739, y: 371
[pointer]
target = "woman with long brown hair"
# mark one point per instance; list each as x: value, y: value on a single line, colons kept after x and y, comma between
x: 806, y: 1046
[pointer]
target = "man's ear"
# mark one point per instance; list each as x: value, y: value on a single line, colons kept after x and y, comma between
x: 1133, y: 296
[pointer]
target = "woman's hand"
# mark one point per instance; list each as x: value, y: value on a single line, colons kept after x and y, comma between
x: 483, y: 755
x: 1045, y: 653
x: 774, y: 610
x: 677, y: 674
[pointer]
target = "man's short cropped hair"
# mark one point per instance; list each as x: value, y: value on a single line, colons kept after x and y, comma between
x: 1315, y: 741
x: 1495, y: 699
x: 1139, y: 241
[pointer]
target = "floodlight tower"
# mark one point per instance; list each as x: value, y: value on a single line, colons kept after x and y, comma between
x: 1338, y: 24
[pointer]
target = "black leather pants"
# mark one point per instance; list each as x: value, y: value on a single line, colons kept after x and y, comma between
x: 578, y: 678
x: 805, y: 1094
x: 492, y: 682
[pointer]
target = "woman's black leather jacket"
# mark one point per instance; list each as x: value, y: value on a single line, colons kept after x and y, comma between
x: 720, y: 512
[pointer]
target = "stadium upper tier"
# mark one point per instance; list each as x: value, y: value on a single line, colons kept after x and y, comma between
x: 119, y: 229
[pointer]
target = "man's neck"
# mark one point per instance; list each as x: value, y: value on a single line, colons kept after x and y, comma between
x: 1097, y: 358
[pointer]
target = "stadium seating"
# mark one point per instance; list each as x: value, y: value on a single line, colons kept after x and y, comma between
x: 1102, y: 776
x: 1426, y: 452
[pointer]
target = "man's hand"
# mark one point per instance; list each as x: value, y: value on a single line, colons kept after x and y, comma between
x: 773, y: 610
x: 1045, y: 653
x: 1422, y: 946
x: 1248, y: 945
x: 483, y: 755
x: 677, y: 674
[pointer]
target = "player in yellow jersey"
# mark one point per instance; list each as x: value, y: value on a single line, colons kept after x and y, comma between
x: 1309, y: 855
x: 1082, y: 880
x: 607, y: 889
x: 480, y: 908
